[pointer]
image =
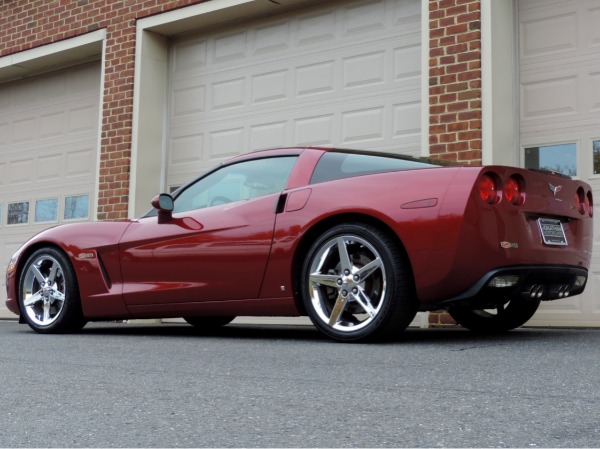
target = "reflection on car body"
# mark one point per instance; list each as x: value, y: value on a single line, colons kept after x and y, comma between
x: 358, y: 241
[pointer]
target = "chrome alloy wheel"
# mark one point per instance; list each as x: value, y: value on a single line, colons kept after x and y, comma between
x: 44, y: 290
x: 347, y: 283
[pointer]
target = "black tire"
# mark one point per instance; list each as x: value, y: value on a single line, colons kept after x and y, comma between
x: 208, y: 322
x: 48, y: 293
x: 505, y: 317
x: 362, y: 292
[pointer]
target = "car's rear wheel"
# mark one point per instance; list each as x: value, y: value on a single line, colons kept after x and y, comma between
x: 49, y: 294
x: 208, y: 322
x: 356, y: 284
x: 504, y: 317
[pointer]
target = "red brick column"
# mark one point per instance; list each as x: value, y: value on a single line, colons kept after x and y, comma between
x: 454, y: 89
x: 455, y: 80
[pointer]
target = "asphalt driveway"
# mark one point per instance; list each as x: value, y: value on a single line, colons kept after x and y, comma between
x: 274, y: 385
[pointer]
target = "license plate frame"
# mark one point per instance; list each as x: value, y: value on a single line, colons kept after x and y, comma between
x: 552, y: 232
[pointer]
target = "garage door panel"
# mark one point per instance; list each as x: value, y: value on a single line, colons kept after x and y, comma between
x: 559, y: 93
x: 48, y: 153
x: 593, y: 97
x: 61, y: 165
x: 273, y: 37
x: 594, y: 290
x: 397, y: 118
x: 405, y: 15
x: 547, y: 98
x: 80, y: 161
x: 269, y: 135
x: 592, y: 29
x: 562, y: 33
x: 382, y: 123
x: 571, y: 308
x: 566, y: 97
x: 341, y: 73
x: 224, y: 143
x: 549, y: 34
x: 50, y: 89
x: 362, y: 70
x: 270, y: 87
x: 21, y: 171
x: 48, y: 125
x: 316, y: 27
x: 203, y: 54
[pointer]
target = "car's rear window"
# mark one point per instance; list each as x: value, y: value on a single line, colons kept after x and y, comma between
x: 339, y: 165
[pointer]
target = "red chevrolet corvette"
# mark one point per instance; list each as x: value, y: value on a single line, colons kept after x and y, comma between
x: 358, y: 241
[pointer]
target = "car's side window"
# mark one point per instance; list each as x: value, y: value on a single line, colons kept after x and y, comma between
x: 340, y: 165
x: 241, y: 181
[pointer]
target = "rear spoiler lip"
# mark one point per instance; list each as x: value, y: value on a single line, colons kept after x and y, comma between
x: 549, y: 172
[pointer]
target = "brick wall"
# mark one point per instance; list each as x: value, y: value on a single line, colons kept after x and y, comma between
x: 25, y: 24
x: 454, y: 89
x: 455, y: 80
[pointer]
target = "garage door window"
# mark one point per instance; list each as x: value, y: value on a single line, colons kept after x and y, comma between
x: 559, y: 158
x: 596, y: 148
x: 77, y: 207
x: 18, y: 213
x: 46, y: 210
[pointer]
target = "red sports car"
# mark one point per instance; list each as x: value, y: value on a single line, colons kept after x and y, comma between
x: 358, y: 241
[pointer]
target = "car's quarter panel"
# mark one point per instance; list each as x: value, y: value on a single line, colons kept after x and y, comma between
x: 407, y: 203
x: 500, y: 235
x: 452, y: 238
x: 92, y: 249
x: 212, y: 254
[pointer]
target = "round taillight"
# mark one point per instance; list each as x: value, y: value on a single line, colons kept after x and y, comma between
x: 580, y: 201
x: 488, y: 190
x: 513, y: 192
x: 589, y: 201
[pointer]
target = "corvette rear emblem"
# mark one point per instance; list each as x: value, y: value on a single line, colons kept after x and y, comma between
x: 554, y: 189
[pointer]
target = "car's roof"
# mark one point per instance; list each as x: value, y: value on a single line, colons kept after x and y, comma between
x: 290, y: 151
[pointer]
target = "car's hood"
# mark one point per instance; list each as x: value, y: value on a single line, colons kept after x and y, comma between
x: 73, y: 237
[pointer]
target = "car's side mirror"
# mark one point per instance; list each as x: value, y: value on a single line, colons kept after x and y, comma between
x: 164, y: 204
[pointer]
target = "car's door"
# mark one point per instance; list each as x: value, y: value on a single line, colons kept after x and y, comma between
x: 216, y: 245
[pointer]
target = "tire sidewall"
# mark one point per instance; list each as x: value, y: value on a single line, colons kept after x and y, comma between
x: 517, y: 313
x: 70, y: 317
x: 383, y: 246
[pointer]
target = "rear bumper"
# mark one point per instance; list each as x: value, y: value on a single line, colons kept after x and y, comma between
x: 536, y: 282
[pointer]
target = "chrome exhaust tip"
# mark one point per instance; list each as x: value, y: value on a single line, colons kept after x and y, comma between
x: 536, y: 291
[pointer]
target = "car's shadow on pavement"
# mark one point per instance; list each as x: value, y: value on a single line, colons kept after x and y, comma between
x: 309, y: 333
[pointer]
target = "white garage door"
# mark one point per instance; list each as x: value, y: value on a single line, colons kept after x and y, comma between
x: 340, y: 73
x: 48, y: 142
x: 560, y: 117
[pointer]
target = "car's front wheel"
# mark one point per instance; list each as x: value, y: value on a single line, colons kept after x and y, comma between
x: 504, y: 317
x: 356, y: 284
x: 49, y: 294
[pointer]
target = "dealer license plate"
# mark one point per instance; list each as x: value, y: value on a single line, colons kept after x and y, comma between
x: 552, y: 231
